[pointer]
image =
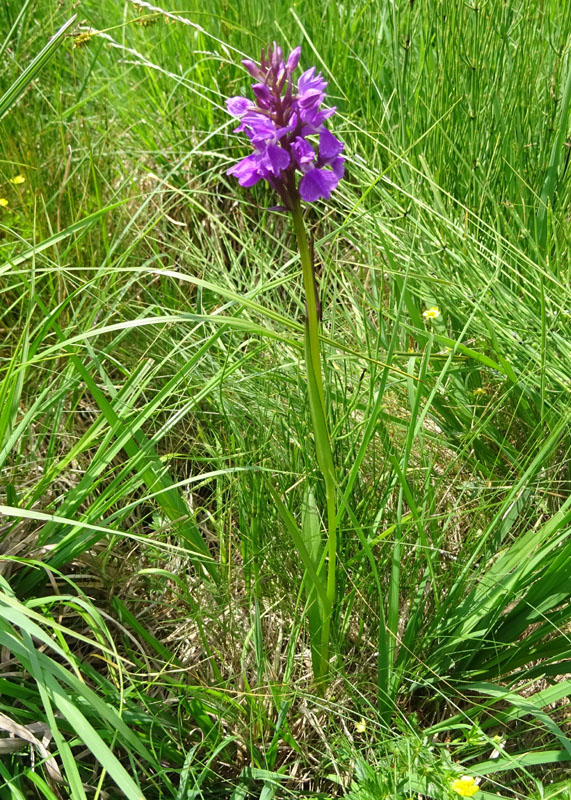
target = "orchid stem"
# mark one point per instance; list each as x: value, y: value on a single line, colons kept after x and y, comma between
x: 320, y: 429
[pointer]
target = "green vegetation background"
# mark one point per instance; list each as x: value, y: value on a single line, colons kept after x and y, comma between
x: 155, y: 617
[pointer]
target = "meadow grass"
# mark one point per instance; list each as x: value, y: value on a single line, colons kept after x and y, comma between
x: 158, y: 472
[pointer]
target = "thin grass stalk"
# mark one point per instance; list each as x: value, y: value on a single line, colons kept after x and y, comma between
x: 30, y: 73
x: 320, y: 427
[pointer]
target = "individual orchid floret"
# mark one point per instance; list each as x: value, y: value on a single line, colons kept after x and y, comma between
x: 238, y: 105
x: 278, y: 123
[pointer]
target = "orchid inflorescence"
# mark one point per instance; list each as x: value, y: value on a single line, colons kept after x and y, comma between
x: 286, y: 127
x: 278, y: 125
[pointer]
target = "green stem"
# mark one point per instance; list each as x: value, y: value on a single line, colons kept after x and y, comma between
x: 320, y: 427
x: 312, y: 320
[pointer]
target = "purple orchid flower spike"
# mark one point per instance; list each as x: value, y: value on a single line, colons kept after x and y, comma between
x: 278, y: 124
x: 301, y: 159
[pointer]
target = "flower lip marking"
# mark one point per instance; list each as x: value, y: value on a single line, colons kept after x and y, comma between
x: 278, y: 123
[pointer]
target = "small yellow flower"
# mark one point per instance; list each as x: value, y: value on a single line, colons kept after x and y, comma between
x: 3, y: 202
x: 17, y: 180
x: 361, y: 726
x: 479, y: 391
x: 431, y: 313
x: 465, y: 786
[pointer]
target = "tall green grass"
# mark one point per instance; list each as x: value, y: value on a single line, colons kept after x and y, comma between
x: 156, y: 444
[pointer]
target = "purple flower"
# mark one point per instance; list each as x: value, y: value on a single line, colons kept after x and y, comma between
x: 238, y: 105
x: 303, y: 152
x: 278, y: 124
x: 247, y: 171
x: 311, y: 90
x: 329, y: 145
x: 317, y: 183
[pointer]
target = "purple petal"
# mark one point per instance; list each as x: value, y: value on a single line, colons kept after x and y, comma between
x: 258, y: 121
x: 258, y: 127
x: 312, y: 98
x: 310, y: 81
x: 289, y: 127
x: 276, y: 159
x: 303, y: 152
x: 276, y: 57
x: 305, y: 78
x: 253, y: 69
x: 238, y: 105
x: 246, y: 170
x: 317, y: 183
x: 314, y: 119
x: 293, y: 60
x: 338, y: 166
x: 263, y: 95
x: 329, y: 146
x: 327, y: 112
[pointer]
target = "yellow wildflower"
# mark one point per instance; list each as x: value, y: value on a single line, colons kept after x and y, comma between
x: 17, y: 180
x: 465, y: 786
x: 361, y: 726
x: 479, y: 391
x: 431, y: 313
x: 3, y: 202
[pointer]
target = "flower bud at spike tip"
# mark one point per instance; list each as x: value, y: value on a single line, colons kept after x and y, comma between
x: 278, y: 122
x: 253, y: 69
x: 293, y: 59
